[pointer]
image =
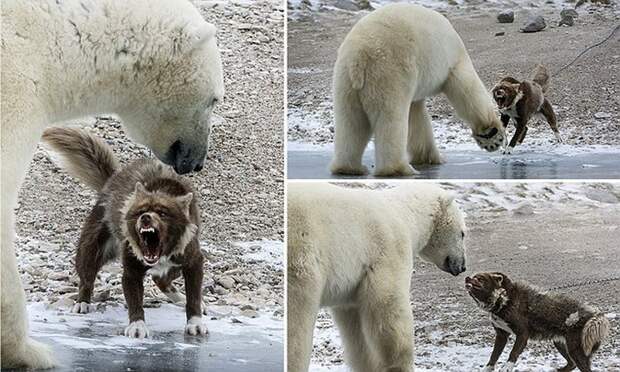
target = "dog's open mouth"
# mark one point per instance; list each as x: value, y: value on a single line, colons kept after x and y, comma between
x: 150, y: 244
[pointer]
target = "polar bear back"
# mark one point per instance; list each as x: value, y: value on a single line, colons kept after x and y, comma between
x: 405, y: 44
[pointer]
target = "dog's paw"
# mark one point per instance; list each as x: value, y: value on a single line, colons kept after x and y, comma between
x: 203, y: 307
x: 137, y: 329
x: 487, y: 369
x: 508, y: 367
x: 195, y: 326
x: 508, y: 150
x: 81, y: 308
x: 558, y: 137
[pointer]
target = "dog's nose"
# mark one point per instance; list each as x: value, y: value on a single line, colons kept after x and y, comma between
x: 146, y: 219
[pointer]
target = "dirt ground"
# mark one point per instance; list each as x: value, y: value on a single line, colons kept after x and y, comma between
x: 567, y: 241
x: 587, y: 88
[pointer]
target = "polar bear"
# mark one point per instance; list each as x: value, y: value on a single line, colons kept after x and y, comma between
x: 154, y: 63
x: 352, y: 250
x: 388, y: 64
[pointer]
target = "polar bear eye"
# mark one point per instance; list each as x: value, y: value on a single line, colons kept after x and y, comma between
x: 463, y: 234
x: 214, y: 100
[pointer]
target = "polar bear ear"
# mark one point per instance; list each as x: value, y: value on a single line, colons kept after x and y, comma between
x: 203, y: 34
x: 446, y: 200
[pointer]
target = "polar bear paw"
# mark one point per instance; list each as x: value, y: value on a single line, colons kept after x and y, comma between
x: 137, y: 329
x: 33, y: 355
x: 195, y: 326
x: 348, y: 170
x: 402, y: 170
x: 81, y: 308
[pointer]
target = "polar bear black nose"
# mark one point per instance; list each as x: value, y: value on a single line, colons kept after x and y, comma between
x: 185, y: 159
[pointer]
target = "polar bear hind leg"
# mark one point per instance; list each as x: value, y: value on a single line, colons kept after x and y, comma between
x: 387, y: 321
x: 421, y: 145
x: 356, y: 350
x: 352, y: 135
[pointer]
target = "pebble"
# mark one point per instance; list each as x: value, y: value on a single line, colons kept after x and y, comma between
x: 534, y: 24
x: 507, y: 16
x: 524, y: 209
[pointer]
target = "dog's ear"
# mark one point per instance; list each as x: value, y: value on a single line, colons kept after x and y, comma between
x: 499, y: 278
x: 139, y: 189
x: 185, y: 201
x: 509, y: 79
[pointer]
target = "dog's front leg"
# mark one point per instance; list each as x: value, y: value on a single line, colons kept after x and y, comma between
x: 517, y: 349
x: 192, y: 273
x: 133, y: 289
x: 501, y: 338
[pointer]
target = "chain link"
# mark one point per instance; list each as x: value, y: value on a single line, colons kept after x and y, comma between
x: 584, y: 283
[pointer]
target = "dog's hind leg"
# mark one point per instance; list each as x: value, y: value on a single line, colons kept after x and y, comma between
x: 547, y: 110
x: 575, y: 350
x: 522, y: 136
x: 95, y: 248
x: 356, y: 351
x: 570, y: 364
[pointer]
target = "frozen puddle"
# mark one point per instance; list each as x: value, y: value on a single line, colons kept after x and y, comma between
x: 467, y: 162
x: 92, y: 342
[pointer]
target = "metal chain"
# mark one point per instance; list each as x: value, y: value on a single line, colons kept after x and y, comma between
x: 584, y: 283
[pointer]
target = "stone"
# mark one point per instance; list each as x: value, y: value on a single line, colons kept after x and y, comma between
x: 501, y: 33
x: 569, y: 13
x: 534, y: 23
x: 226, y: 282
x: 524, y: 209
x: 567, y: 21
x: 507, y: 16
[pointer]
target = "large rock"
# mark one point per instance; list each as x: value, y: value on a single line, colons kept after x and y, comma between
x: 534, y: 24
x: 567, y: 21
x: 507, y: 16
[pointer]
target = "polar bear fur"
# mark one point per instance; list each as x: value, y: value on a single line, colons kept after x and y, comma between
x: 352, y: 250
x: 154, y: 63
x: 388, y: 64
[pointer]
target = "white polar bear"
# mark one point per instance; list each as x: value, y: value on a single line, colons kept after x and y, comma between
x: 352, y: 250
x: 154, y: 63
x: 388, y: 64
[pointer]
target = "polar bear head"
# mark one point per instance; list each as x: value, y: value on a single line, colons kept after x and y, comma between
x: 446, y: 245
x: 174, y: 91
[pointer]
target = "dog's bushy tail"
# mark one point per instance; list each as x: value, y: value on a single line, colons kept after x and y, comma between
x: 83, y: 155
x: 541, y: 76
x: 595, y: 331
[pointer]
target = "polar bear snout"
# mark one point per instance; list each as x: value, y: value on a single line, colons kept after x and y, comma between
x: 185, y: 158
x: 454, y: 266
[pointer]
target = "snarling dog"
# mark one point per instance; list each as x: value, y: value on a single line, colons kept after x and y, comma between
x: 577, y: 330
x: 521, y: 100
x: 145, y: 213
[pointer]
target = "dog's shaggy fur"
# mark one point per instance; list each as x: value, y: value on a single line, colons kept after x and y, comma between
x: 388, y: 64
x: 353, y: 251
x: 146, y: 214
x: 517, y: 308
x: 154, y: 63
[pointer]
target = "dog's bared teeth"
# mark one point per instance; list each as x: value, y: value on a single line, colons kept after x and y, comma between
x: 148, y: 229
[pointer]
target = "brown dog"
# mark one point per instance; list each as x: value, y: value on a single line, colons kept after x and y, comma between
x: 520, y: 101
x: 146, y: 214
x: 577, y: 330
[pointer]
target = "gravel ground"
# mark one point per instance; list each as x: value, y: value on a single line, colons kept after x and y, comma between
x: 548, y: 234
x: 241, y: 186
x: 585, y: 96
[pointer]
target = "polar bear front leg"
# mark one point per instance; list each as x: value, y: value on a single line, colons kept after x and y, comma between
x: 351, y: 136
x: 420, y: 140
x: 357, y: 353
x: 303, y: 302
x: 387, y: 320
